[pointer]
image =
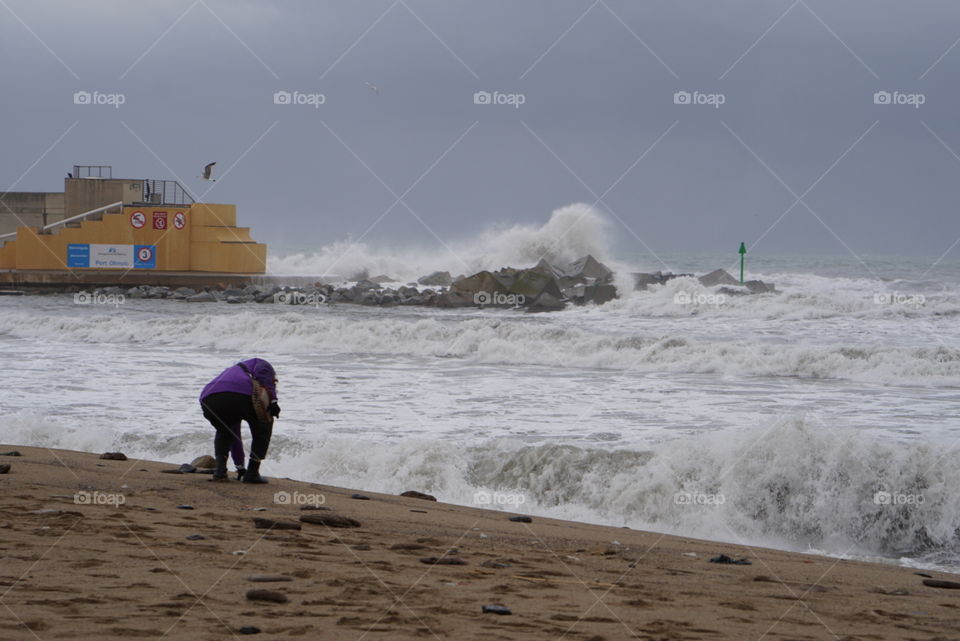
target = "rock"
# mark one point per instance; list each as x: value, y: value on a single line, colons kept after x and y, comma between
x: 249, y: 629
x: 196, y: 537
x: 521, y: 519
x: 726, y: 560
x: 495, y: 609
x: 315, y: 507
x: 938, y: 583
x: 186, y: 468
x: 718, y: 277
x: 382, y: 278
x: 641, y: 281
x: 272, y: 596
x: 531, y: 283
x: 113, y: 456
x: 360, y: 497
x: 270, y: 524
x: 436, y: 279
x: 202, y: 297
x: 184, y: 507
x: 363, y: 547
x: 596, y: 293
x: 366, y: 285
x: 546, y: 303
x: 329, y: 520
x: 11, y: 453
x: 759, y: 287
x: 206, y: 461
x: 590, y: 268
x: 413, y: 494
x: 183, y: 292
x: 443, y: 560
x: 268, y: 578
x: 5, y: 468
x: 496, y: 565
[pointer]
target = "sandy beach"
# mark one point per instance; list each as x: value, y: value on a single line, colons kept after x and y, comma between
x: 99, y: 549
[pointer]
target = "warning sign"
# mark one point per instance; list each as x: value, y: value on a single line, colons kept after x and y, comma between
x: 160, y: 220
x: 179, y: 220
x: 138, y: 220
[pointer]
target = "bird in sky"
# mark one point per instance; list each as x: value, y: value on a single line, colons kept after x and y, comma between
x: 207, y: 173
x: 374, y: 88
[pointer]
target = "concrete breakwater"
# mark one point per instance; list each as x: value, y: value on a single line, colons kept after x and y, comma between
x: 543, y: 287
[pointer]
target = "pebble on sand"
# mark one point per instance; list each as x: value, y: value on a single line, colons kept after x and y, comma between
x: 184, y: 507
x: 268, y: 578
x: 495, y: 609
x: 206, y: 461
x: 443, y: 560
x: 330, y: 520
x: 937, y: 583
x: 413, y: 494
x: 4, y: 468
x: 249, y: 629
x: 11, y: 453
x: 521, y: 519
x: 360, y: 497
x: 113, y: 456
x: 270, y: 524
x: 272, y: 596
x: 196, y: 537
x: 322, y: 508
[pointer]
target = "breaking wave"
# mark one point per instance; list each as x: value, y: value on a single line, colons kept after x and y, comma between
x: 791, y: 484
x: 570, y: 233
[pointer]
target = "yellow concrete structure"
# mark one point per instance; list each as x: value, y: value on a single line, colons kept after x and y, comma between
x: 201, y: 237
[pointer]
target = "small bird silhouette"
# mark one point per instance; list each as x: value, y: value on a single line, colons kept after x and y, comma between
x: 373, y: 88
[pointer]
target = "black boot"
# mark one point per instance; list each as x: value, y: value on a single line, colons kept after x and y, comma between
x: 252, y: 475
x: 240, y: 472
x: 220, y: 472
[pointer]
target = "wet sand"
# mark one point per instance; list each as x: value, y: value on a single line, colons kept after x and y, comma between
x: 76, y: 565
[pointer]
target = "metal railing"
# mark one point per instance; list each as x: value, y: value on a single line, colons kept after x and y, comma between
x: 165, y: 192
x: 45, y: 228
x: 93, y: 171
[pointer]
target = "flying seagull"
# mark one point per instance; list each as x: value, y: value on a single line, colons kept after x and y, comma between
x: 207, y: 171
x: 374, y: 88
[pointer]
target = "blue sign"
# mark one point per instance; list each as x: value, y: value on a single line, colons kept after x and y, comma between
x: 144, y: 256
x: 78, y: 255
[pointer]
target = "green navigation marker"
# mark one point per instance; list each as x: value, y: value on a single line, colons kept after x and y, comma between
x: 743, y: 250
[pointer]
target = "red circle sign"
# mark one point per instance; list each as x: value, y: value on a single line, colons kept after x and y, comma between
x: 179, y: 220
x: 138, y: 220
x: 145, y: 254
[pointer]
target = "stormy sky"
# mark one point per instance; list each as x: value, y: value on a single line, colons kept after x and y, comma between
x: 791, y: 147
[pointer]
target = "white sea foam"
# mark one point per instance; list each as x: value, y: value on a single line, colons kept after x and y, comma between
x: 570, y: 233
x: 792, y: 483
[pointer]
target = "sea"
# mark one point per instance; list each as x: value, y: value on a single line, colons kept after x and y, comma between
x: 823, y: 418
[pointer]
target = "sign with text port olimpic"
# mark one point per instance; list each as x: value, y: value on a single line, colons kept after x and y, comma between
x: 111, y: 256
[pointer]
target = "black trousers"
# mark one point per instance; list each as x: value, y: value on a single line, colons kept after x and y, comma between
x: 225, y: 409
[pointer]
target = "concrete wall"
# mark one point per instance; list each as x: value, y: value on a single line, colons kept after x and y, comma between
x: 208, y: 241
x: 84, y: 194
x: 30, y: 208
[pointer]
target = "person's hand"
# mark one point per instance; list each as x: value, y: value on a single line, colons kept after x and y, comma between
x: 273, y: 409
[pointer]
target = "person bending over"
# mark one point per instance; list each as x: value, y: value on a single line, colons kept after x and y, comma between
x: 247, y: 392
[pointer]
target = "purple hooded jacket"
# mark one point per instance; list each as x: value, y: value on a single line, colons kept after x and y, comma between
x: 234, y: 379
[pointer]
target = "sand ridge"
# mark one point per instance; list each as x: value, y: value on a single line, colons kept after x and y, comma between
x: 126, y: 562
